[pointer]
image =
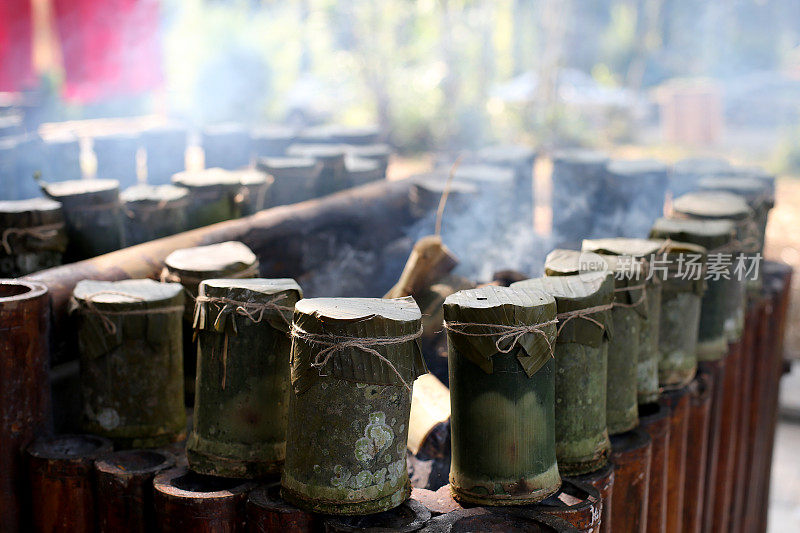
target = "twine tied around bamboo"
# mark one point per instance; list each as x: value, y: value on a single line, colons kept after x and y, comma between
x: 88, y: 304
x: 504, y: 332
x: 44, y: 232
x: 637, y: 303
x: 185, y: 279
x: 585, y: 314
x: 338, y: 343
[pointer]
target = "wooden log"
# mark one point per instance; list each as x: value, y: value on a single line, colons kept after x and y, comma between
x: 487, y: 519
x: 405, y: 518
x: 185, y: 501
x: 152, y: 212
x: 716, y: 439
x: 131, y: 361
x: 349, y: 406
x: 603, y: 481
x: 239, y: 425
x: 212, y: 195
x: 359, y: 213
x: 267, y: 513
x: 25, y: 401
x: 581, y: 354
x: 124, y: 490
x: 33, y: 236
x: 502, y: 395
x: 60, y: 475
x: 694, y: 490
x: 630, y: 453
x: 429, y: 421
x: 429, y: 261
x: 678, y: 403
x: 655, y: 420
x: 92, y: 214
x: 578, y: 504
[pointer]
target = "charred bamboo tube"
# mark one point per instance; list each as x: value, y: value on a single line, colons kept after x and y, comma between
x: 333, y: 176
x: 380, y: 153
x: 576, y: 503
x: 239, y: 426
x: 92, y: 214
x: 60, y: 476
x: 405, y: 518
x: 629, y: 306
x: 271, y: 140
x: 494, y: 519
x: 685, y: 173
x: 577, y: 178
x: 166, y: 152
x: 715, y: 370
x: 254, y: 192
x: 681, y: 295
x: 603, y: 481
x: 716, y: 236
x: 226, y: 146
x: 501, y: 388
x: 116, y: 156
x: 339, y: 134
x: 185, y: 501
x: 153, y: 212
x: 583, y: 303
x: 725, y: 206
x: 130, y: 346
x: 353, y: 363
x: 678, y: 402
x: 361, y: 171
x: 648, y: 355
x: 428, y: 424
x: 124, y: 490
x: 630, y: 453
x: 32, y: 238
x: 267, y: 513
x: 295, y: 178
x: 632, y: 197
x: 521, y: 159
x: 655, y: 420
x: 266, y: 234
x: 25, y: 401
x: 701, y: 392
x: 212, y: 196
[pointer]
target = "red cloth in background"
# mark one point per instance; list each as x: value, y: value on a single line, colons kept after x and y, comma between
x: 16, y: 45
x: 110, y: 47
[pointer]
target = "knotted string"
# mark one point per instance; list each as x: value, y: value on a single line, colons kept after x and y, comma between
x: 88, y: 304
x: 566, y: 316
x: 642, y: 297
x: 504, y: 333
x: 175, y: 277
x: 44, y: 232
x: 336, y: 343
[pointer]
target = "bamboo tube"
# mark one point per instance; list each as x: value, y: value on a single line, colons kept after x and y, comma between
x: 124, y: 490
x: 648, y: 355
x: 717, y: 237
x: 405, y: 518
x: 353, y: 363
x: 212, y: 195
x: 521, y: 159
x: 724, y: 206
x: 340, y: 134
x: 115, y: 154
x: 60, y: 476
x: 130, y: 346
x: 166, y: 152
x: 576, y: 503
x: 493, y: 519
x: 295, y: 178
x: 380, y: 153
x: 226, y: 146
x: 581, y: 354
x: 32, y: 236
x: 152, y: 212
x: 25, y: 400
x: 428, y: 424
x: 271, y: 140
x: 630, y: 453
x: 92, y: 214
x: 333, y: 177
x: 701, y: 392
x: 755, y: 191
x: 678, y: 402
x: 268, y: 513
x: 631, y: 198
x: 239, y: 425
x: 655, y: 420
x: 255, y: 191
x: 685, y: 173
x: 185, y: 501
x: 577, y: 177
x: 715, y: 370
x: 501, y: 390
x: 603, y: 481
x: 361, y: 171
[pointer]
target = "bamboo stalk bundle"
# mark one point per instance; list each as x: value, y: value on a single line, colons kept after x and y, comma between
x: 268, y: 513
x: 212, y: 195
x: 583, y: 305
x: 32, y: 236
x: 724, y: 206
x: 185, y: 501
x: 129, y: 338
x: 603, y: 481
x: 501, y: 388
x: 678, y: 402
x: 241, y: 402
x: 152, y: 212
x: 61, y: 481
x: 701, y: 392
x: 630, y: 453
x: 226, y: 146
x: 92, y: 214
x: 25, y: 400
x: 352, y: 365
x: 295, y: 178
x: 649, y: 331
x: 124, y: 490
x: 655, y: 420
